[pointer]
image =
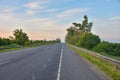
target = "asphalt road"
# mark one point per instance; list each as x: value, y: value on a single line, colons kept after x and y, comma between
x: 53, y: 62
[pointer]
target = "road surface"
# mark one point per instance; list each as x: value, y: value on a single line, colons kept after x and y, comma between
x: 53, y: 62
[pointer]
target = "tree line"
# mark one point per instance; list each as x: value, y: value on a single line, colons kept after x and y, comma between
x: 21, y: 38
x: 80, y: 34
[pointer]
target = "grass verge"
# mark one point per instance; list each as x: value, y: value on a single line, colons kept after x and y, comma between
x: 105, y: 66
x: 14, y: 47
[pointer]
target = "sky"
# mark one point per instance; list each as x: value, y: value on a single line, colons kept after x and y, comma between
x: 49, y: 19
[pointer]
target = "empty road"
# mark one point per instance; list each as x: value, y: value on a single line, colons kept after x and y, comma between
x: 53, y: 62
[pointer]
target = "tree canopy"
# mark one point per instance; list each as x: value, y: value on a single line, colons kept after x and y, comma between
x: 20, y: 37
x: 75, y: 33
x: 80, y: 34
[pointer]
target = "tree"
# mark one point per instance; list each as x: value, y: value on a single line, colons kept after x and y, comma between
x: 108, y: 48
x: 0, y: 41
x: 77, y: 30
x: 6, y: 41
x: 83, y: 27
x: 88, y: 40
x: 20, y: 37
x: 58, y: 40
x: 71, y: 31
x: 117, y: 50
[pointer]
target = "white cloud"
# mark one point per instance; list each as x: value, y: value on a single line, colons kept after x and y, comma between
x: 5, y: 17
x: 72, y: 12
x: 115, y: 18
x: 107, y: 29
x: 7, y: 10
x: 33, y: 7
x: 31, y: 12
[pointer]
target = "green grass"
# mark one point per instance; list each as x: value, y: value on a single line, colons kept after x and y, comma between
x: 13, y: 47
x: 105, y: 66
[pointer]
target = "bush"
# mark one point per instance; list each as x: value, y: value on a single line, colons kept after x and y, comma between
x: 103, y: 47
x: 117, y: 50
x: 88, y: 40
x: 108, y: 48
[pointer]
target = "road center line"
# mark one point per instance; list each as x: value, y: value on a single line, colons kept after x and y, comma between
x: 44, y: 65
x: 60, y: 63
x: 33, y: 77
x: 1, y: 63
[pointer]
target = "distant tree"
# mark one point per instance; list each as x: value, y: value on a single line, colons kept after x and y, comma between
x: 58, y: 40
x: 20, y: 37
x: 6, y: 41
x: 88, y: 40
x: 0, y: 41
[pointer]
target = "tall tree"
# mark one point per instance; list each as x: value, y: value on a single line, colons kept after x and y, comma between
x: 83, y: 27
x: 20, y: 37
x: 0, y: 41
x: 77, y: 30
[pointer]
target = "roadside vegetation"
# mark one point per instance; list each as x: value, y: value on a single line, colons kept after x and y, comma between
x: 20, y: 40
x: 79, y: 34
x: 105, y: 66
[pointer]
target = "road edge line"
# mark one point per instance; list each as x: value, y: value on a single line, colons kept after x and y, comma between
x: 60, y: 64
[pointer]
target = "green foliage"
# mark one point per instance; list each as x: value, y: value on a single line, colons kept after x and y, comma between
x: 108, y: 48
x: 80, y: 35
x: 103, y: 47
x: 5, y: 41
x: 78, y: 29
x: 21, y: 40
x: 88, y: 40
x: 0, y: 41
x: 83, y: 27
x: 28, y: 43
x: 58, y: 40
x: 10, y: 46
x: 20, y: 37
x: 105, y: 66
x: 71, y: 31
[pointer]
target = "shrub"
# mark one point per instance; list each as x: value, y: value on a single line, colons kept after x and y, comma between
x: 88, y: 40
x: 108, y: 48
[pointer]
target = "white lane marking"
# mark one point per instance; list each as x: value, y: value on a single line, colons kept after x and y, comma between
x: 1, y: 63
x: 44, y: 65
x: 59, y: 69
x: 49, y: 59
x: 33, y: 77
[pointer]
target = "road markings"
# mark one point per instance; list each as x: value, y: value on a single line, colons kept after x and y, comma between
x: 44, y: 65
x: 49, y: 59
x: 1, y: 63
x: 33, y: 77
x: 60, y: 63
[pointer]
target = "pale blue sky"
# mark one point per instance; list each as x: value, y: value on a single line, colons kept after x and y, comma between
x: 48, y: 19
